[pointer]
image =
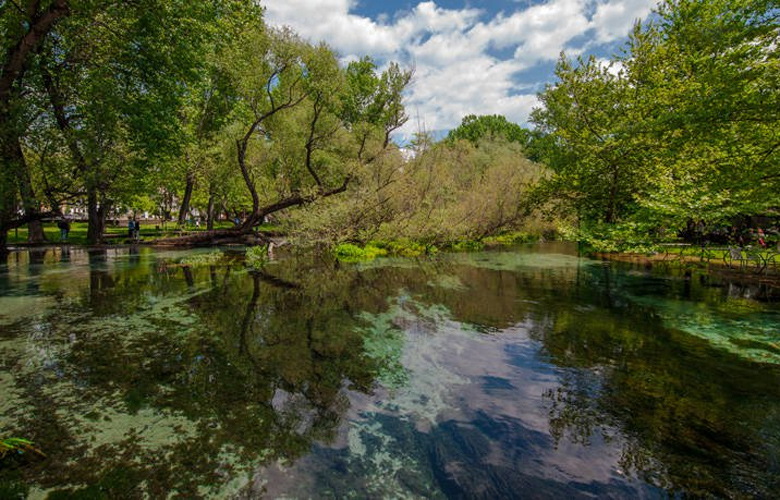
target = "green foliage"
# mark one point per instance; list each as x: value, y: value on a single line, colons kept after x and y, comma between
x: 593, y: 145
x: 256, y: 257
x: 476, y: 129
x: 347, y: 252
x: 682, y: 126
x: 449, y: 193
x: 318, y: 123
x: 511, y: 238
x: 632, y: 237
x: 407, y: 248
x: 467, y: 246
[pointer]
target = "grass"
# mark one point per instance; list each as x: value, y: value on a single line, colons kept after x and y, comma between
x: 116, y: 234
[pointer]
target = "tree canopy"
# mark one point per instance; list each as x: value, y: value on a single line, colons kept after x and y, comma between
x: 124, y: 105
x: 475, y: 128
x: 683, y: 125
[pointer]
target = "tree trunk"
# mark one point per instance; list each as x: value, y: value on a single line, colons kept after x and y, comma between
x: 7, y: 193
x: 185, y: 202
x: 95, y: 218
x: 210, y: 214
x: 35, y: 232
x: 3, y: 245
x: 103, y: 209
x: 30, y: 204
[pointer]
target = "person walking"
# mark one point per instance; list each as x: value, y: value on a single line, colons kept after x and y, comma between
x: 130, y: 228
x: 137, y: 229
x: 64, y: 226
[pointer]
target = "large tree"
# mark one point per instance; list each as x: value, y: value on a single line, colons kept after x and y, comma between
x: 683, y: 126
x: 109, y: 78
x: 304, y: 122
x: 23, y: 29
x: 707, y: 74
x: 594, y: 140
x: 115, y: 82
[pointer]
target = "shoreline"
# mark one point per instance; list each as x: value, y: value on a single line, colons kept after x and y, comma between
x: 690, y: 263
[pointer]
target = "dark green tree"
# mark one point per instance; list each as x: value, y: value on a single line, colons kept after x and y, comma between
x: 475, y: 128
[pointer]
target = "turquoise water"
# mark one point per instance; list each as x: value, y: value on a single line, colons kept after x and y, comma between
x: 530, y: 373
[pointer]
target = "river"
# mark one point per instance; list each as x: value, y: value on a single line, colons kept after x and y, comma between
x: 529, y: 372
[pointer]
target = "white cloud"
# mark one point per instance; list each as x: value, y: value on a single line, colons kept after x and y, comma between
x: 465, y: 61
x: 613, y: 19
x: 615, y: 68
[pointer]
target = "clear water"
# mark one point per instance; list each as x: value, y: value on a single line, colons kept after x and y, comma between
x: 529, y: 373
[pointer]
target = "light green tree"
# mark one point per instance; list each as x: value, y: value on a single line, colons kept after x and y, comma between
x: 595, y: 141
x: 303, y: 123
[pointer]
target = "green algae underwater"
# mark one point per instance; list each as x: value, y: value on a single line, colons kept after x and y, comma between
x: 528, y: 372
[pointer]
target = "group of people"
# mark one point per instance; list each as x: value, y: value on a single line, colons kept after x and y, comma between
x: 752, y: 236
x: 742, y: 235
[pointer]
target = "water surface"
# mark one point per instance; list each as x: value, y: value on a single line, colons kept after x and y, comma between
x: 529, y: 373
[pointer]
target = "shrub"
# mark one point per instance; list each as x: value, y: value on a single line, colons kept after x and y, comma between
x: 347, y: 252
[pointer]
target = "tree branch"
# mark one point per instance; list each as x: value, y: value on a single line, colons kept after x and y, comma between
x: 17, y: 56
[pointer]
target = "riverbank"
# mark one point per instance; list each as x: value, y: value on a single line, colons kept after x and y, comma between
x: 712, y: 262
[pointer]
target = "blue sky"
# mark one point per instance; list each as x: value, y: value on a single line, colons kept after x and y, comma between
x: 470, y: 57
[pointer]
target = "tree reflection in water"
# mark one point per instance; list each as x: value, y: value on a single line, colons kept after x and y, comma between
x: 489, y: 374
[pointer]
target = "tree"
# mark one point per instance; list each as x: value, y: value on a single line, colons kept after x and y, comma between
x: 687, y: 129
x: 114, y: 77
x: 25, y: 28
x: 707, y: 74
x: 594, y: 140
x: 489, y: 127
x: 305, y: 122
x: 109, y: 78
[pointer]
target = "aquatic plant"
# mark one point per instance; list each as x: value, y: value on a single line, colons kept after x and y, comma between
x: 256, y: 256
x: 203, y: 259
x: 467, y: 246
x: 511, y: 238
x: 347, y: 252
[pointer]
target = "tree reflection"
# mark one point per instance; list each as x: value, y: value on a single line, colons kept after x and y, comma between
x: 695, y: 419
x: 257, y: 363
x: 182, y: 378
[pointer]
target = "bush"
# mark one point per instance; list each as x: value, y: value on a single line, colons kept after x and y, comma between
x: 347, y: 252
x: 451, y: 192
x: 466, y: 246
x: 512, y: 238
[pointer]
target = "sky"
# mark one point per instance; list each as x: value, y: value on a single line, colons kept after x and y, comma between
x: 477, y: 57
